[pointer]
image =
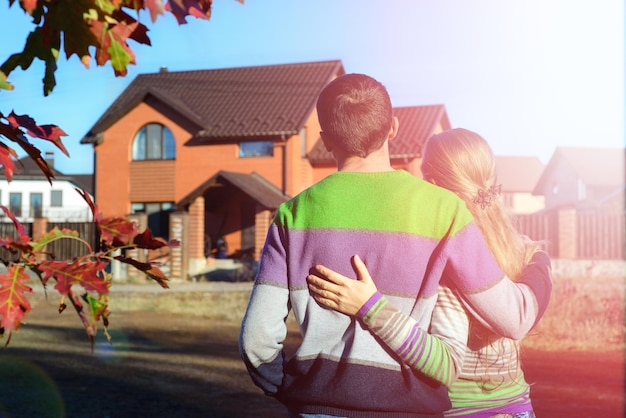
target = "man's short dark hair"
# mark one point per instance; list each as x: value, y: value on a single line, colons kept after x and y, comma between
x: 355, y: 114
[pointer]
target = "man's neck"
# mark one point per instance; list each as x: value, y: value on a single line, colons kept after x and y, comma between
x: 376, y: 161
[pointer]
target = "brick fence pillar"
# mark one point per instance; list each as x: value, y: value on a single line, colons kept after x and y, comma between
x: 567, y: 234
x: 262, y: 221
x: 40, y: 227
x: 179, y: 256
x: 141, y: 219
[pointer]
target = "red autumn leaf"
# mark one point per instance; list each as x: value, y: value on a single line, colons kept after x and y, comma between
x: 183, y: 8
x: 23, y: 235
x: 112, y: 44
x: 146, y: 241
x: 90, y: 326
x: 28, y: 5
x: 13, y: 301
x: 155, y: 7
x: 140, y: 31
x: 85, y: 274
x: 50, y: 133
x: 97, y: 216
x: 6, y: 160
x: 13, y: 132
x: 149, y: 269
x: 117, y: 231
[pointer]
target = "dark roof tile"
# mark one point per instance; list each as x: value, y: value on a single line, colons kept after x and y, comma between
x: 261, y: 101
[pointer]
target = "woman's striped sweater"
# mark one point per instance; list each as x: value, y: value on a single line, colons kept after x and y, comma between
x: 485, y: 377
x: 408, y: 232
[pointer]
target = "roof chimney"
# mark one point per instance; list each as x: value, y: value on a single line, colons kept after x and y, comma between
x: 163, y: 69
x: 50, y: 159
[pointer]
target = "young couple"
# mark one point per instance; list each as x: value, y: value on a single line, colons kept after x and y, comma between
x: 431, y: 325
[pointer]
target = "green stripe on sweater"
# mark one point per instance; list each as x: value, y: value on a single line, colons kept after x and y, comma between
x: 347, y: 209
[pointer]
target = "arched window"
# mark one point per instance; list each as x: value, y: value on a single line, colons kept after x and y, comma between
x: 154, y: 142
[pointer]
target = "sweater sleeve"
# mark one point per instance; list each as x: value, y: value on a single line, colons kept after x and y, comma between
x: 511, y: 309
x: 438, y: 355
x: 263, y: 328
x: 538, y: 276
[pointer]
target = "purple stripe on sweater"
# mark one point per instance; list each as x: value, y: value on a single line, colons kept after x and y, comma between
x: 368, y: 305
x: 400, y: 264
x: 402, y: 349
x: 397, y: 262
x: 470, y: 265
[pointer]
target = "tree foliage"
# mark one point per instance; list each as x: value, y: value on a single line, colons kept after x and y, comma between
x: 89, y: 29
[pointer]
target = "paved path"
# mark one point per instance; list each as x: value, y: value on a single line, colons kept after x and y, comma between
x: 181, y: 286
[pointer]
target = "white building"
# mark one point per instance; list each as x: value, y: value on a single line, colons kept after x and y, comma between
x: 30, y: 195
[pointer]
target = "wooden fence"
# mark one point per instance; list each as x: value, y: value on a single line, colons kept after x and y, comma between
x: 66, y: 249
x: 63, y: 249
x: 578, y: 235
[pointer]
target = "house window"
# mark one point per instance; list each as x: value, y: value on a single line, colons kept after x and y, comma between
x: 36, y: 205
x: 154, y: 142
x: 158, y: 216
x: 56, y: 198
x: 256, y: 149
x: 15, y: 203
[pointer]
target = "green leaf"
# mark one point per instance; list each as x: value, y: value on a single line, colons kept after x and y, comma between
x: 40, y: 244
x: 4, y: 84
x: 120, y: 57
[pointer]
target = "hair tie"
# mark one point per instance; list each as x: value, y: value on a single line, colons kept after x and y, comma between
x: 485, y: 198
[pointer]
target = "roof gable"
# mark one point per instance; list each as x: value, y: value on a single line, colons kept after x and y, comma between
x: 261, y: 101
x: 594, y: 166
x: 417, y: 124
x: 254, y: 185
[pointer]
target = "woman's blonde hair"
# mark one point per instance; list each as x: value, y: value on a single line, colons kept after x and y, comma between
x: 461, y: 161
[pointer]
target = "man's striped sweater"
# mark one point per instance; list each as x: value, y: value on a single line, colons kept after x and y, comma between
x: 408, y: 232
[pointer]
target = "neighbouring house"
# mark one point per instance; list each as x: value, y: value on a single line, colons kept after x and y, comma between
x: 518, y: 176
x: 208, y: 155
x: 584, y: 179
x: 30, y: 195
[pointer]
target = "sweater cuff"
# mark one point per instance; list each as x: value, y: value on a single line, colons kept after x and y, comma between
x: 368, y: 305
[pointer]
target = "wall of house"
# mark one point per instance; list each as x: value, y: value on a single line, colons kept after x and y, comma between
x: 302, y: 166
x: 562, y: 186
x: 526, y: 203
x: 74, y: 208
x: 120, y: 180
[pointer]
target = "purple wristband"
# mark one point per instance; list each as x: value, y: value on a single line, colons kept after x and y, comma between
x: 368, y: 305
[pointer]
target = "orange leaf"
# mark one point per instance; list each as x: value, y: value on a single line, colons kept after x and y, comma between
x: 66, y: 275
x: 117, y: 231
x: 13, y: 301
x: 149, y: 269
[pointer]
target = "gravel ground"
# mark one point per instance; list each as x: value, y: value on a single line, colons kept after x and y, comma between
x: 165, y: 364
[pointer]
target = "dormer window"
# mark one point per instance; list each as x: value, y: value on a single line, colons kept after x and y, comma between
x: 154, y: 142
x: 256, y: 149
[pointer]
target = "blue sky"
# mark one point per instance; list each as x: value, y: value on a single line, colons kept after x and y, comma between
x: 527, y: 75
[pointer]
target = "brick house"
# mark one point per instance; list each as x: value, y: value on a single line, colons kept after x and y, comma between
x: 221, y: 149
x: 518, y: 176
x: 584, y: 179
